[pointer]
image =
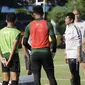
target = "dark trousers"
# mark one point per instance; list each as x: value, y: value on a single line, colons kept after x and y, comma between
x: 74, y: 69
x: 39, y: 59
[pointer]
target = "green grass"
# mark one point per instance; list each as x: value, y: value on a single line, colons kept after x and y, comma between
x: 61, y: 70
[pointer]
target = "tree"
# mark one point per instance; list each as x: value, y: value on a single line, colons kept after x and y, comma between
x: 58, y: 15
x: 81, y: 7
x: 61, y: 2
x: 57, y: 2
x: 22, y: 11
x: 80, y: 4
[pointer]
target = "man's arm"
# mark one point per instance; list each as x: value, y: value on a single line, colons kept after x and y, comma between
x: 79, y: 41
x: 79, y: 54
x: 53, y: 38
x: 83, y: 45
x: 25, y: 50
x: 25, y: 43
x: 54, y: 43
x: 0, y: 54
x: 13, y: 50
x: 26, y: 37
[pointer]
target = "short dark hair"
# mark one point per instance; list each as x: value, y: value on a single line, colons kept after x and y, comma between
x: 38, y: 9
x: 11, y: 17
x: 71, y: 15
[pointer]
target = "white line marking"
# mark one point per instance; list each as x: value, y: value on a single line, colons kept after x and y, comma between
x: 59, y: 65
x: 61, y: 79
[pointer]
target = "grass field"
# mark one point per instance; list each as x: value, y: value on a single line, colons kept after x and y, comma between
x: 61, y: 70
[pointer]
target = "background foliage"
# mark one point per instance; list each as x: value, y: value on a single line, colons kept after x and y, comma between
x: 58, y: 13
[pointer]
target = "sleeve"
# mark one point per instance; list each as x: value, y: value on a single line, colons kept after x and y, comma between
x: 50, y: 27
x: 25, y: 43
x: 52, y: 35
x: 84, y: 29
x: 27, y: 31
x: 78, y: 37
x: 26, y: 37
x: 84, y: 34
x: 18, y: 36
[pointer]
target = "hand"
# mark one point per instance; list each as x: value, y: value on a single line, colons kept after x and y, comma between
x: 66, y: 60
x: 3, y: 61
x: 65, y: 53
x: 7, y: 62
x: 53, y: 54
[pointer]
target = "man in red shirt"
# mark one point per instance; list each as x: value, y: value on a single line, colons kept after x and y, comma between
x: 41, y: 55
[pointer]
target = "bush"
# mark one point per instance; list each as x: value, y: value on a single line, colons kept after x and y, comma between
x: 80, y: 4
x: 58, y: 15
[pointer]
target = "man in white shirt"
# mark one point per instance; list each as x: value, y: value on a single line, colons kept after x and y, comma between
x: 81, y: 25
x: 73, y: 43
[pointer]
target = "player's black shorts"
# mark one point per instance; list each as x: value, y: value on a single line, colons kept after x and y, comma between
x: 39, y: 59
x: 14, y: 65
x: 83, y: 57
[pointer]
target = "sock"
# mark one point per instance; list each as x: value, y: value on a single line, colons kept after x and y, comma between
x: 14, y: 82
x: 5, y: 83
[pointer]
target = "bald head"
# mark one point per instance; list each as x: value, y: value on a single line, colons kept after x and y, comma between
x: 76, y: 12
x: 77, y: 15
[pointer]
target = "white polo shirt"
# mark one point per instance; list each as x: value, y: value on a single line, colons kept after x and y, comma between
x: 81, y: 26
x: 73, y: 40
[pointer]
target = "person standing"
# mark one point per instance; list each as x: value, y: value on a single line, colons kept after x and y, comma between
x: 73, y: 41
x: 81, y: 25
x: 27, y: 58
x: 9, y: 37
x: 39, y: 31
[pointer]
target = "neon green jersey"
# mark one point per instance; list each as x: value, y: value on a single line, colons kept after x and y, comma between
x: 7, y: 37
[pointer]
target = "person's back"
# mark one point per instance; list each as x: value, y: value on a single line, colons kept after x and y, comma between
x: 39, y: 31
x: 6, y: 41
x: 9, y: 38
x: 81, y: 25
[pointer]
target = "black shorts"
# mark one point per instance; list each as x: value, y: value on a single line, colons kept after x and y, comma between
x: 14, y: 66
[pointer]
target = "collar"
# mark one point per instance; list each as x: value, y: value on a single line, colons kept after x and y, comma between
x: 70, y: 25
